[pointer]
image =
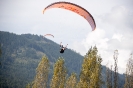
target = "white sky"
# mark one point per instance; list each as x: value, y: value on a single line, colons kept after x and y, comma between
x: 114, y: 21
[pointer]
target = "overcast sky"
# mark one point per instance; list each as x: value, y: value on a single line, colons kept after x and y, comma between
x: 114, y: 21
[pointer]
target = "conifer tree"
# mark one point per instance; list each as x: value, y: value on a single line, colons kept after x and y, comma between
x: 71, y: 81
x: 41, y: 78
x: 90, y: 76
x: 59, y: 74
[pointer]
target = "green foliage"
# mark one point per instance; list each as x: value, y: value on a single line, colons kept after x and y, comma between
x: 59, y: 74
x: 41, y: 78
x: 28, y: 85
x: 90, y: 76
x: 22, y: 53
x: 71, y: 81
x: 129, y: 74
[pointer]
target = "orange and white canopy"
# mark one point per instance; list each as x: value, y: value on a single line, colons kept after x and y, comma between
x: 74, y: 8
x: 49, y: 35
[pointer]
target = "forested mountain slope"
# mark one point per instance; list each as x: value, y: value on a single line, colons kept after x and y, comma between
x: 22, y: 53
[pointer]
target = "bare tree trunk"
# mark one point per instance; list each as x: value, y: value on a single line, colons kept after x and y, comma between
x: 115, y: 69
x: 109, y: 77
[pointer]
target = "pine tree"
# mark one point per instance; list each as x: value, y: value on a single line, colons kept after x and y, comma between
x: 71, y: 81
x: 129, y: 74
x: 90, y: 76
x: 41, y: 78
x: 59, y: 74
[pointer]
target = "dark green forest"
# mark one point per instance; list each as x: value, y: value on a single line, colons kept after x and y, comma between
x: 21, y: 54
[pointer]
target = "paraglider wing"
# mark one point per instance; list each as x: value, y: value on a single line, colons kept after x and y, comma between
x: 75, y: 8
x: 49, y: 35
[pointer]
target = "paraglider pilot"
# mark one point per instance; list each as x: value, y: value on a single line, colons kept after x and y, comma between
x: 62, y: 48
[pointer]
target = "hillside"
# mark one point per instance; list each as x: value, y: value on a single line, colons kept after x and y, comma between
x: 22, y: 53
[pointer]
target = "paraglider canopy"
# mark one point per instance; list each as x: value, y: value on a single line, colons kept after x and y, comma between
x: 74, y: 8
x: 49, y: 35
